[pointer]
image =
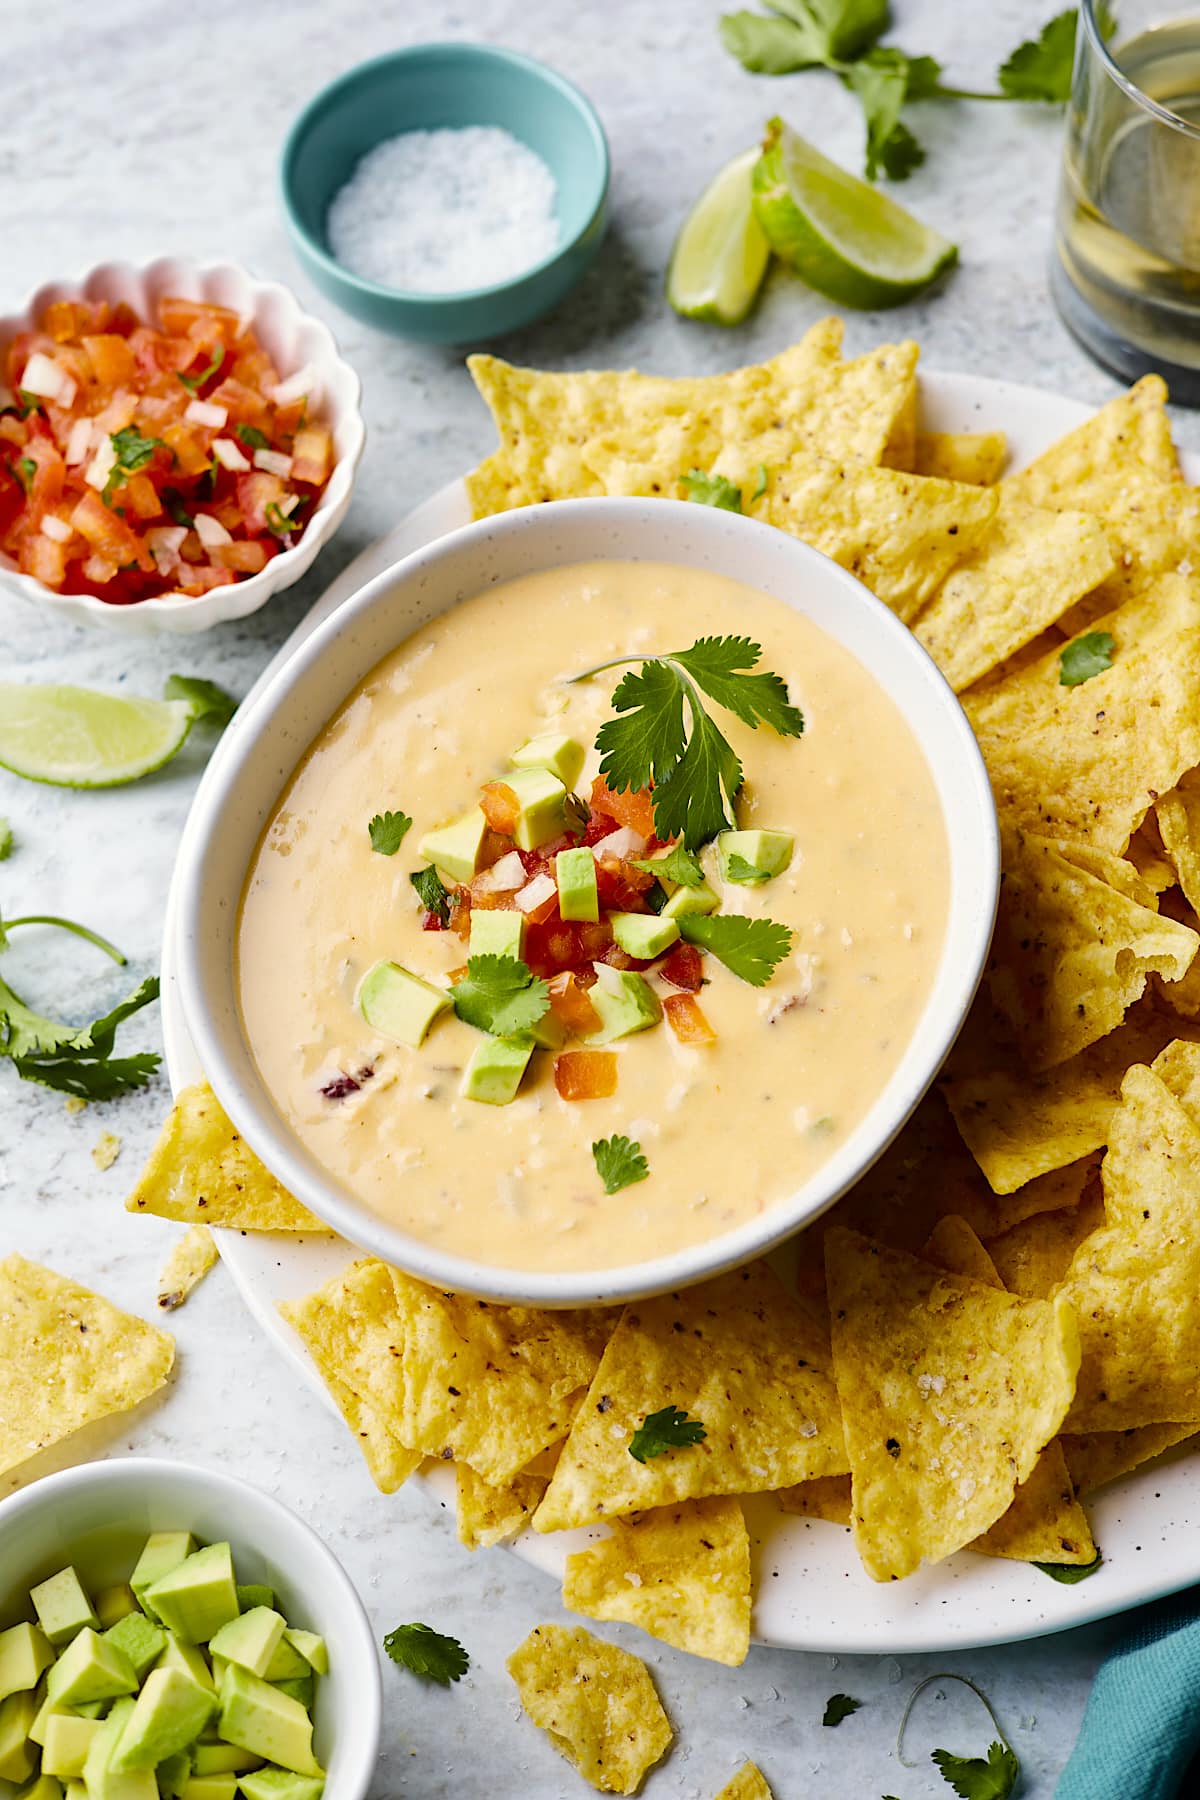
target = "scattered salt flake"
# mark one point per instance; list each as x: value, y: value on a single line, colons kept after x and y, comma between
x: 633, y: 1578
x: 1185, y: 565
x: 808, y: 1429
x: 931, y: 1384
x: 106, y: 1150
x: 892, y: 1670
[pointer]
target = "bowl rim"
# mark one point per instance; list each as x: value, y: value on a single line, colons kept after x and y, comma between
x: 296, y: 1168
x: 439, y: 301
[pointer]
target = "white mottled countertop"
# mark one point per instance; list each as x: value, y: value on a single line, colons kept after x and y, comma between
x: 143, y: 128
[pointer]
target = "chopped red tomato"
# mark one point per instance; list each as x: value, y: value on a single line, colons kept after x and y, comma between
x: 635, y: 810
x: 687, y: 1021
x: 621, y: 887
x: 501, y: 808
x: 683, y: 968
x: 585, y: 1074
x: 570, y: 1005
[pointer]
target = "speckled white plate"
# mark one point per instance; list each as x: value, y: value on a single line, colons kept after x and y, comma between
x: 811, y: 1592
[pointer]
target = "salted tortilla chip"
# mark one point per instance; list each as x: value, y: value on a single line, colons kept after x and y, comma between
x: 1133, y: 1282
x: 680, y: 1572
x: 1095, y: 1458
x: 1033, y: 1258
x: 67, y: 1358
x: 1146, y: 853
x: 740, y: 1355
x: 595, y: 1702
x: 202, y: 1172
x: 389, y: 1462
x: 950, y: 1391
x: 192, y: 1256
x: 1178, y: 818
x: 1027, y: 569
x: 900, y: 451
x: 1092, y: 467
x: 825, y: 1497
x: 488, y: 1513
x: 976, y: 457
x: 748, y: 1784
x: 954, y: 1246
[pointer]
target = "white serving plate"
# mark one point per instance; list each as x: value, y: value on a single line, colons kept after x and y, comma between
x: 811, y: 1590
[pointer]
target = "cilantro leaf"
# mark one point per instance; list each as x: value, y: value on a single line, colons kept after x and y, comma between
x: 499, y: 994
x: 6, y: 842
x: 666, y: 1429
x: 646, y: 745
x: 974, y: 1779
x: 839, y: 1707
x: 879, y: 81
x: 193, y: 383
x: 26, y: 469
x: 760, y: 482
x: 619, y: 1163
x: 721, y: 666
x: 252, y: 437
x: 737, y: 868
x: 810, y: 33
x: 1084, y: 657
x: 577, y: 815
x: 425, y: 1651
x: 1041, y: 68
x: 712, y: 490
x: 75, y: 1059
x: 749, y: 948
x: 1070, y: 1573
x: 431, y: 892
x: 133, y: 450
x: 279, y: 522
x: 692, y: 800
x: 207, y: 701
x: 387, y: 831
x: 678, y: 865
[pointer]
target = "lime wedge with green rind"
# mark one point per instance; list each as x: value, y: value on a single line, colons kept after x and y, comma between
x: 75, y: 737
x: 842, y: 236
x: 720, y: 255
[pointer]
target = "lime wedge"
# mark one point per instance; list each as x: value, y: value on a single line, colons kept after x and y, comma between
x: 720, y: 255
x: 841, y: 236
x: 75, y: 737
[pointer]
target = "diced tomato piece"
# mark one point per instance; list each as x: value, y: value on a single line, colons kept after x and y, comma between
x: 12, y: 429
x: 687, y: 1021
x: 570, y: 1005
x: 242, y: 403
x: 683, y: 968
x: 617, y: 889
x: 117, y: 414
x: 500, y: 805
x: 198, y: 319
x: 140, y: 495
x: 635, y: 809
x: 46, y: 488
x: 312, y: 455
x: 585, y: 1074
x: 255, y: 492
x: 66, y: 319
x: 42, y: 558
x: 595, y: 939
x: 111, y: 359
x: 12, y: 500
x: 253, y: 366
x: 200, y: 578
x: 460, y: 913
x: 109, y: 534
x: 247, y: 555
x: 191, y: 455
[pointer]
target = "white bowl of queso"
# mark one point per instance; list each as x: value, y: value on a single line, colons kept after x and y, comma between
x: 412, y: 696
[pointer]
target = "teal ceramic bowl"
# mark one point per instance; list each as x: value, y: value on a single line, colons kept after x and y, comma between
x: 427, y: 88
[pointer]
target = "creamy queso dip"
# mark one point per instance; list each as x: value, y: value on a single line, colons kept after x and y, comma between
x: 728, y: 1129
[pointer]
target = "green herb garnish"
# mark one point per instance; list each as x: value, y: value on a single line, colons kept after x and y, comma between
x: 1084, y: 657
x: 278, y: 521
x: 207, y: 701
x: 974, y: 1779
x: 387, y: 831
x: 28, y: 403
x: 173, y: 501
x: 678, y: 865
x: 6, y: 840
x: 499, y: 994
x: 760, y: 483
x: 252, y: 437
x: 193, y: 383
x: 666, y: 1429
x: 426, y: 1652
x: 712, y: 490
x: 749, y: 948
x: 1041, y: 68
x: 133, y: 450
x: 738, y: 868
x: 619, y: 1163
x: 431, y: 892
x: 839, y: 1707
x: 26, y: 469
x: 1070, y: 1573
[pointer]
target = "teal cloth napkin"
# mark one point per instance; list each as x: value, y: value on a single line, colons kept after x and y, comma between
x: 1141, y: 1728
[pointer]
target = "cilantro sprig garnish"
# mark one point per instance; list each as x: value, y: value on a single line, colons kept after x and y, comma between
x: 252, y: 437
x: 839, y: 1707
x: 749, y: 948
x: 712, y: 490
x: 500, y: 995
x: 972, y: 1777
x: 667, y: 1429
x: 279, y: 522
x: 739, y: 869
x: 432, y: 893
x: 424, y: 1651
x: 1084, y: 657
x: 193, y: 383
x: 387, y: 831
x: 208, y: 702
x: 619, y: 1163
x: 666, y: 737
x: 678, y: 865
x: 26, y: 469
x: 1070, y: 1573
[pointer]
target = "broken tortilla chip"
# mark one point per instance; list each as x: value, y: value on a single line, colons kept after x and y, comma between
x: 1178, y: 817
x: 192, y: 1256
x: 975, y: 457
x: 1033, y: 1258
x: 1092, y: 466
x: 1095, y: 1458
x: 202, y: 1172
x: 596, y: 1703
x: 488, y: 1513
x: 825, y: 1497
x: 748, y: 1784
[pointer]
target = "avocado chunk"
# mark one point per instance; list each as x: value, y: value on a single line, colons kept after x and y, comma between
x: 281, y: 1784
x: 210, y: 1787
x: 173, y: 1773
x: 66, y: 1744
x: 24, y: 1653
x: 625, y: 1002
x: 684, y: 900
x: 102, y: 1781
x: 162, y: 1552
x: 114, y: 1604
x: 171, y: 1712
x: 553, y: 750
x: 494, y: 1072
x: 286, y: 1663
x: 76, y: 1790
x: 764, y: 854
x: 198, y: 1597
x: 642, y: 934
x: 400, y: 1004
x: 540, y: 796
x: 62, y: 1606
x: 496, y: 931
x: 549, y: 1033
x: 223, y: 1759
x: 311, y: 1647
x: 256, y: 1716
x: 141, y: 1640
x: 189, y: 1659
x: 45, y: 1787
x: 300, y: 1688
x: 454, y: 849
x: 575, y: 873
x: 254, y: 1593
x: 90, y: 1668
x: 251, y: 1640
x: 17, y: 1751
x: 37, y: 1731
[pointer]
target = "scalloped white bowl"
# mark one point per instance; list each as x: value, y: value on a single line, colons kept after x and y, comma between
x: 293, y: 339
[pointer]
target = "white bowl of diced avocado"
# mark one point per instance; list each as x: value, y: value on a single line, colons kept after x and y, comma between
x: 167, y: 1633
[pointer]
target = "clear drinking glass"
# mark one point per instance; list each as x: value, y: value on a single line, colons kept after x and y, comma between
x: 1126, y: 270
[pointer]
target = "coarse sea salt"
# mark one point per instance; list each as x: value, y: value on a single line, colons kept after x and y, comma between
x: 442, y: 212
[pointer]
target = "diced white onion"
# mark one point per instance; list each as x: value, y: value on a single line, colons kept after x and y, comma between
x: 166, y: 538
x: 203, y: 412
x: 229, y: 456
x: 43, y: 377
x: 504, y: 877
x: 296, y: 386
x: 102, y: 465
x: 79, y: 442
x: 56, y: 528
x: 210, y: 531
x: 619, y: 845
x: 536, y: 893
x: 274, y: 462
x: 66, y: 392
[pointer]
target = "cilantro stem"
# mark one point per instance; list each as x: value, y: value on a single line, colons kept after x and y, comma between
x: 618, y: 662
x: 953, y: 93
x: 82, y: 931
x: 946, y: 1675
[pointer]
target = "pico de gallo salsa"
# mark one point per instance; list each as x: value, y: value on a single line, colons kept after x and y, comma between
x: 140, y: 459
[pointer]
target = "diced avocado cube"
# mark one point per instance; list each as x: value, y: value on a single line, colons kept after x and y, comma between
x: 210, y: 1787
x: 219, y: 1666
x: 171, y: 1712
x: 256, y: 1716
x: 189, y: 1659
x: 92, y: 1709
x: 18, y: 1752
x: 767, y: 853
x: 62, y: 1606
x: 223, y: 1759
x: 454, y: 849
x: 90, y: 1668
x: 575, y: 874
x: 494, y: 1072
x: 254, y: 1593
x: 43, y: 1787
x: 554, y: 750
x: 399, y: 1003
x: 287, y: 1663
x: 67, y: 1743
x: 685, y: 900
x: 76, y: 1790
x: 37, y: 1731
x: 549, y: 1033
x: 496, y: 931
x: 642, y: 934
x: 540, y: 796
x: 311, y: 1647
x: 114, y: 1604
x: 250, y: 1640
x: 300, y: 1688
x: 198, y: 1597
x: 281, y: 1784
x: 102, y: 1781
x: 173, y: 1774
x: 140, y: 1638
x: 162, y: 1552
x: 24, y: 1653
x: 625, y: 1002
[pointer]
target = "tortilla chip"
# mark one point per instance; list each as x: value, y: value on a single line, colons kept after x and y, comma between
x: 106, y: 1150
x: 1178, y: 817
x: 1027, y: 569
x: 189, y: 1262
x: 900, y: 451
x: 976, y: 457
x: 950, y: 1391
x: 487, y: 1513
x: 1033, y: 1258
x: 825, y: 1497
x: 740, y: 1355
x: 389, y: 1462
x: 1097, y: 1457
x: 748, y: 1784
x: 202, y: 1172
x: 1146, y: 853
x: 1093, y: 466
x: 680, y: 1572
x: 67, y: 1358
x: 1133, y: 1282
x: 954, y: 1246
x: 596, y: 1703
